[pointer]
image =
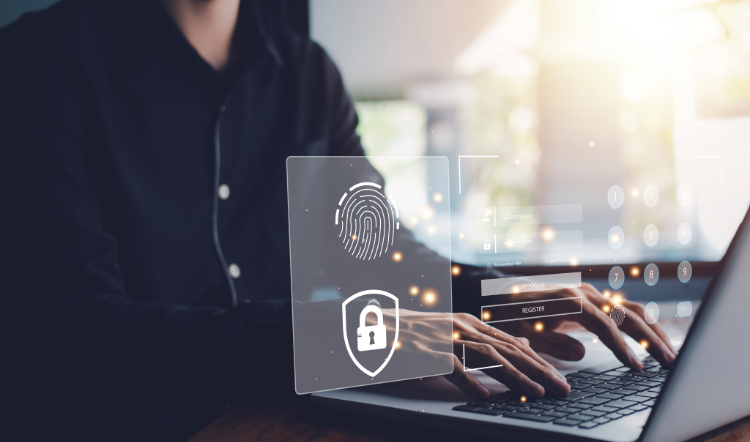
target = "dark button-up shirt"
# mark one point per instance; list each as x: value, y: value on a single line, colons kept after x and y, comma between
x: 145, y: 240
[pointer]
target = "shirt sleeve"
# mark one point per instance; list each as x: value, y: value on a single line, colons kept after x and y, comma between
x: 74, y: 325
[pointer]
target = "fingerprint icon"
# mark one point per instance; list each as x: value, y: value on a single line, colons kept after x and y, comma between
x: 368, y: 221
x: 617, y: 314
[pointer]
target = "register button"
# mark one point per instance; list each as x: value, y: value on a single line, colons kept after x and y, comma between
x: 516, y: 311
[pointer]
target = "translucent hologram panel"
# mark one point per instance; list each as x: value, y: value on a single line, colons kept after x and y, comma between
x: 371, y: 297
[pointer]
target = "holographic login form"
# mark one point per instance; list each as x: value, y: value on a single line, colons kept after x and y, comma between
x: 367, y: 258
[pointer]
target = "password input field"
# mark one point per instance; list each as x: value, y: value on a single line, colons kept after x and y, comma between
x: 524, y: 284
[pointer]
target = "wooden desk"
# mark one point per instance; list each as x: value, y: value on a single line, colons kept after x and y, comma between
x: 309, y: 422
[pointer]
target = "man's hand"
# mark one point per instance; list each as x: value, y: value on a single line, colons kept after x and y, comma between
x: 595, y: 318
x: 523, y: 371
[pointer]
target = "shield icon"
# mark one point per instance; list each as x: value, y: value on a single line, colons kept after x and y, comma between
x: 346, y: 338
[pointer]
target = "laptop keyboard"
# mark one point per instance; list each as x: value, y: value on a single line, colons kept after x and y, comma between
x: 598, y: 395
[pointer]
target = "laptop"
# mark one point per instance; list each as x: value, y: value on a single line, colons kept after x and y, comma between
x: 705, y: 388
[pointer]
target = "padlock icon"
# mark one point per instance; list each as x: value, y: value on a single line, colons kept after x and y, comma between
x: 371, y: 337
x: 486, y: 244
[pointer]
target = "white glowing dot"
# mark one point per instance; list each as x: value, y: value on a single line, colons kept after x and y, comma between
x: 437, y: 197
x: 548, y: 234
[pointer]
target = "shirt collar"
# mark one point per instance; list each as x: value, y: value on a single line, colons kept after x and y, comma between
x: 145, y: 32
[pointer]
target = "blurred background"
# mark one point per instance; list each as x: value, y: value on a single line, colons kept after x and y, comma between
x: 549, y: 102
x: 568, y: 98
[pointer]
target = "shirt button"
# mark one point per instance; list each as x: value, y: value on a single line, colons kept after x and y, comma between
x: 234, y: 270
x: 223, y: 191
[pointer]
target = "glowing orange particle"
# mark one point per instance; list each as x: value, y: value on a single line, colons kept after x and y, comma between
x: 635, y: 271
x: 486, y: 316
x: 644, y: 344
x: 456, y: 335
x: 414, y: 290
x: 523, y: 399
x: 456, y: 270
x: 397, y: 256
x: 539, y: 326
x: 429, y: 297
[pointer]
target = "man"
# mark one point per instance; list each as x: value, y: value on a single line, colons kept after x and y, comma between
x: 145, y: 245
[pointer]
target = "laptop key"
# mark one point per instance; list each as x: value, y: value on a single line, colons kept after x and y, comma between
x: 648, y: 383
x: 601, y: 420
x: 574, y: 396
x: 622, y: 391
x: 481, y: 404
x: 605, y: 377
x: 554, y: 414
x: 490, y: 411
x: 605, y: 408
x: 649, y: 403
x: 529, y: 417
x: 613, y: 416
x: 621, y: 382
x: 580, y: 417
x: 594, y: 390
x: 580, y: 374
x: 608, y: 386
x: 609, y: 396
x: 567, y: 422
x: 649, y: 394
x: 579, y: 405
x: 567, y: 410
x: 594, y: 400
x: 635, y: 387
x: 636, y: 398
x: 556, y: 402
x: 593, y: 413
x: 588, y: 425
x: 620, y: 403
x: 532, y: 411
x: 626, y: 411
x: 638, y: 407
